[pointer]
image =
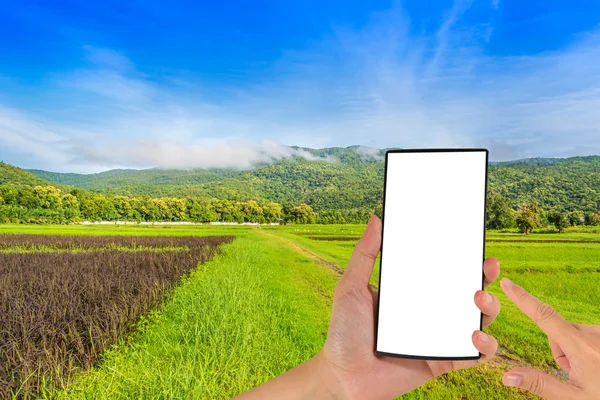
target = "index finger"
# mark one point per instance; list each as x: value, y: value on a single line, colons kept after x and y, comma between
x: 545, y: 317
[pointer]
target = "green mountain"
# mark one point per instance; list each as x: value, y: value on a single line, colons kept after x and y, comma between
x: 344, y: 178
x: 565, y: 184
x: 151, y: 182
x: 19, y: 177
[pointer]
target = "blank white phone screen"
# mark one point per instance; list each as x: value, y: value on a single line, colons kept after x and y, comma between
x: 432, y: 253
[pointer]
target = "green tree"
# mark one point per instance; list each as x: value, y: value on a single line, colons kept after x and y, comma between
x: 252, y: 211
x: 47, y: 197
x: 561, y: 222
x: 177, y: 209
x: 105, y: 208
x: 148, y: 210
x: 70, y: 205
x: 27, y: 199
x: 596, y: 218
x: 576, y: 218
x: 528, y: 217
x: 164, y: 213
x: 272, y: 212
x: 499, y: 213
x: 122, y: 207
x: 200, y: 211
x: 304, y: 214
x: 9, y: 194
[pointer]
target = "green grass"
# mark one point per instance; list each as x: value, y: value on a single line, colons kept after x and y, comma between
x: 263, y: 306
x: 572, y: 233
x: 562, y: 274
x: 255, y: 311
x: 546, y: 257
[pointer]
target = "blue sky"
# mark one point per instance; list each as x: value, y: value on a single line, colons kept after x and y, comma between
x: 90, y: 86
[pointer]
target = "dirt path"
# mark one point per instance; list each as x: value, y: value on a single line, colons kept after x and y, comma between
x: 316, y: 258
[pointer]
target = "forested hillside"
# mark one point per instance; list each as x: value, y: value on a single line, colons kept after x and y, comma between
x: 152, y: 182
x: 343, y: 178
x: 16, y: 176
x: 562, y: 184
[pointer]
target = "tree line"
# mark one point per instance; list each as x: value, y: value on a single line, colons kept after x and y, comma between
x: 529, y: 215
x: 48, y: 204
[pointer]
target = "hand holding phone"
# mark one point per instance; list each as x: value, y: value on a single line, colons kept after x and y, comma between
x: 351, y: 338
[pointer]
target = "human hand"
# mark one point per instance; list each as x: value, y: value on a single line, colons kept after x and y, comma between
x: 575, y: 347
x: 348, y: 354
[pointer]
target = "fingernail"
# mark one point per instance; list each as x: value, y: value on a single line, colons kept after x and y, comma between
x: 512, y: 379
x: 483, y: 337
x: 488, y: 298
x: 507, y: 283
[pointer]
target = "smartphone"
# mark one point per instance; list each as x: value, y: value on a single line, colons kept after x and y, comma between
x: 432, y: 253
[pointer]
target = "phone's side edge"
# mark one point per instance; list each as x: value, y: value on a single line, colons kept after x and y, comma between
x: 485, y: 190
x: 381, y: 251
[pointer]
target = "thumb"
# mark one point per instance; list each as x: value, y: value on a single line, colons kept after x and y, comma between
x: 365, y: 252
x: 536, y: 382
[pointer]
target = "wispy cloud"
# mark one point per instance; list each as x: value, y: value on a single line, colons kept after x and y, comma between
x: 109, y: 59
x: 378, y: 86
x: 111, y: 77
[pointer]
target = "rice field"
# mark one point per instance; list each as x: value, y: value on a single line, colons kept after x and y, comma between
x: 257, y: 306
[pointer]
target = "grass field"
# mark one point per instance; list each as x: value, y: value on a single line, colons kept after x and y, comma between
x: 262, y: 306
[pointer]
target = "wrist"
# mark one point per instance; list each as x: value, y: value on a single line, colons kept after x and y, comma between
x: 325, y: 383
